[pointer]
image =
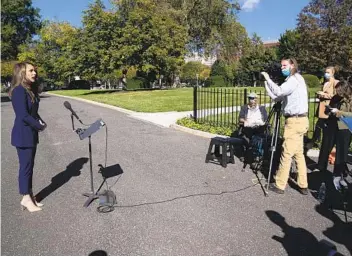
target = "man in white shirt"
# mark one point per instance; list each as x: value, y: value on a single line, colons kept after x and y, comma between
x: 294, y: 96
x: 252, y: 117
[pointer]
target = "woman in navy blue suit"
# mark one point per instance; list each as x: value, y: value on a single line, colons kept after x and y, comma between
x: 28, y: 123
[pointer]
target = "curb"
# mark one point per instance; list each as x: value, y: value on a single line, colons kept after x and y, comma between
x: 196, y: 132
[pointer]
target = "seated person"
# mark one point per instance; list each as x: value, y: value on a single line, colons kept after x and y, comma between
x: 252, y: 117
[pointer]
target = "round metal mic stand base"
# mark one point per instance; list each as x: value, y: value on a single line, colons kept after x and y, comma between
x: 91, y: 198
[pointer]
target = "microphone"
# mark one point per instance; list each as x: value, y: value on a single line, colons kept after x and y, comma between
x: 68, y: 106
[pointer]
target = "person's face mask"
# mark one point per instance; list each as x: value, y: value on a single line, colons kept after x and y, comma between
x: 328, y: 75
x: 252, y: 101
x: 285, y: 68
x: 286, y: 72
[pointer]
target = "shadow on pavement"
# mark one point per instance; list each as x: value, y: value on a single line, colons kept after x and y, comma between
x: 45, y: 96
x: 296, y: 241
x: 100, y: 92
x: 72, y: 170
x: 98, y: 253
x: 340, y: 232
x: 299, y: 241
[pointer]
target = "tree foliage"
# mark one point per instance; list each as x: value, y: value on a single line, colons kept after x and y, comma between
x: 190, y: 70
x: 288, y: 46
x: 19, y: 22
x: 203, y: 19
x: 151, y: 39
x: 258, y: 58
x: 325, y: 28
x: 6, y: 71
x: 54, y: 53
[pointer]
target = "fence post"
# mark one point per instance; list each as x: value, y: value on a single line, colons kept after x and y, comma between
x: 195, y: 103
x: 245, y: 96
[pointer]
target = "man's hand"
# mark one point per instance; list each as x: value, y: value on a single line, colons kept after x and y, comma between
x: 266, y: 75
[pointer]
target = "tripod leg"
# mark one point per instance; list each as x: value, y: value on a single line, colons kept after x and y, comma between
x: 273, y: 144
x: 91, y: 165
x: 344, y: 192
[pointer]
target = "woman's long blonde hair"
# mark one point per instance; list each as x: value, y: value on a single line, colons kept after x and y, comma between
x: 19, y: 78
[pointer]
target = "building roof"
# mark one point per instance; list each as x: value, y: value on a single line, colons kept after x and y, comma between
x: 272, y: 43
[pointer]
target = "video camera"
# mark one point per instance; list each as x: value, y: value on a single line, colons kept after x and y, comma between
x: 327, y: 110
x: 274, y: 71
x: 259, y: 76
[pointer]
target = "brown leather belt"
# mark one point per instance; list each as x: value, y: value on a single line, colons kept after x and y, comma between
x: 296, y: 115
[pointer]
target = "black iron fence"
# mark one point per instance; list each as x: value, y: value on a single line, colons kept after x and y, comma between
x: 220, y: 107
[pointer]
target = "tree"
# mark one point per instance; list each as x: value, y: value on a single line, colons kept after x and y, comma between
x: 233, y: 42
x: 96, y: 41
x: 326, y: 35
x: 258, y: 58
x: 6, y: 72
x: 218, y: 68
x: 288, y: 44
x: 202, y: 19
x: 150, y: 39
x: 190, y: 70
x: 55, y: 52
x: 19, y: 22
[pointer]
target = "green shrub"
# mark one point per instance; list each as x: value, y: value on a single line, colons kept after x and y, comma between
x: 79, y: 84
x: 135, y: 83
x: 312, y: 81
x: 217, y: 81
x: 190, y: 70
x: 190, y: 123
x: 218, y: 68
x: 4, y: 89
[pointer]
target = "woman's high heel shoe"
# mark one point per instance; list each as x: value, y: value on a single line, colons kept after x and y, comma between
x: 35, y: 201
x: 38, y: 204
x: 27, y: 203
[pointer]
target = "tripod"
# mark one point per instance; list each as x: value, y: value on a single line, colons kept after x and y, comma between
x: 276, y: 113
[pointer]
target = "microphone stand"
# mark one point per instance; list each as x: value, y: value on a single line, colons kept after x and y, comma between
x: 73, y: 123
x: 83, y: 133
x: 92, y: 195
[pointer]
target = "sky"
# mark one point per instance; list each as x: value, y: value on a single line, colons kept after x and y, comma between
x: 268, y: 18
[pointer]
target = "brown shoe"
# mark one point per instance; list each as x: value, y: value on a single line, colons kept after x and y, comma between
x: 303, y: 191
x: 272, y: 187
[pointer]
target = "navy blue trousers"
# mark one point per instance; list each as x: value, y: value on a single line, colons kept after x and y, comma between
x: 26, y: 157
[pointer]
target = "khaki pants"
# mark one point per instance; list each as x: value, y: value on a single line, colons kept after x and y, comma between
x: 295, y: 128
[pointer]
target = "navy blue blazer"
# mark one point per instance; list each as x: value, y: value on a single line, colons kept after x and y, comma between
x: 26, y: 125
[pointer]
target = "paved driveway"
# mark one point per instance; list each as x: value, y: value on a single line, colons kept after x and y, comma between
x: 170, y: 202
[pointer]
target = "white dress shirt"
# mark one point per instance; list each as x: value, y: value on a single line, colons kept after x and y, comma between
x: 254, y: 117
x: 293, y: 94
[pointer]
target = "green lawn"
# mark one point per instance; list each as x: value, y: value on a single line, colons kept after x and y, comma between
x: 139, y: 101
x: 159, y: 100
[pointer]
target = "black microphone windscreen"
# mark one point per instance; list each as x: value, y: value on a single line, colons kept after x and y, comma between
x: 67, y: 105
